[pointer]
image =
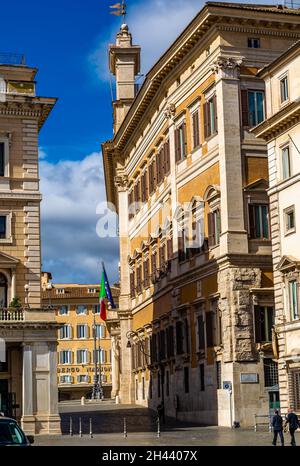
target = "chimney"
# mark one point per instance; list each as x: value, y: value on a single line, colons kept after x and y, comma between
x: 124, y: 64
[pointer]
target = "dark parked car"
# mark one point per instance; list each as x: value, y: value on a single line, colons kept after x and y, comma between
x: 11, y: 434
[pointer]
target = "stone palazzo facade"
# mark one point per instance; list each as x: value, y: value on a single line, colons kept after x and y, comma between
x: 281, y: 130
x: 28, y: 333
x: 195, y: 318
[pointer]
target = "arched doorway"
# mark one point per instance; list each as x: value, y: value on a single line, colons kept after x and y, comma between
x: 3, y: 290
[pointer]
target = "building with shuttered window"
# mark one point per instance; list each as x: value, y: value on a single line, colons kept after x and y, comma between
x: 281, y: 130
x: 189, y: 181
x: 76, y: 306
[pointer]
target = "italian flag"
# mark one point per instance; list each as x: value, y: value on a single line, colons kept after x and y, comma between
x: 102, y: 298
x: 105, y: 295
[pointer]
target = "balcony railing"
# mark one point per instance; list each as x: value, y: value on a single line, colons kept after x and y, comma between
x: 7, y: 58
x: 26, y: 314
x: 15, y: 315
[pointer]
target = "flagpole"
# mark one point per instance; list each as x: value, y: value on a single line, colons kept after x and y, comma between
x: 95, y: 386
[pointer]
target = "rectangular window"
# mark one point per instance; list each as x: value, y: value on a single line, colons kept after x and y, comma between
x: 186, y: 380
x: 293, y: 299
x: 256, y: 107
x: 66, y: 379
x: 66, y: 357
x: 65, y: 332
x: 253, y: 43
x: 252, y: 107
x: 82, y: 331
x: 284, y: 89
x: 100, y: 331
x: 296, y: 389
x: 81, y: 309
x: 63, y: 310
x: 139, y: 279
x: 202, y: 379
x: 179, y: 337
x: 3, y: 219
x: 209, y: 324
x: 219, y: 374
x: 196, y: 129
x: 286, y: 162
x: 289, y: 220
x: 210, y: 117
x: 201, y: 333
x: 100, y: 356
x: 170, y: 341
x: 83, y: 378
x: 146, y: 273
x: 167, y: 157
x: 259, y: 221
x: 96, y: 309
x: 214, y: 227
x: 2, y: 158
x: 132, y: 284
x: 180, y: 142
x: 270, y: 372
x: 264, y: 321
x: 82, y: 356
x: 153, y: 266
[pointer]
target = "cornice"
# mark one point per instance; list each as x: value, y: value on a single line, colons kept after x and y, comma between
x: 278, y: 123
x: 263, y: 31
x: 36, y: 108
x: 24, y: 196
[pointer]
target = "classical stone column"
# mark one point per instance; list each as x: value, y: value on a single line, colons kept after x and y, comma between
x: 13, y: 284
x: 233, y: 235
x: 126, y: 379
x: 28, y: 418
x: 54, y: 418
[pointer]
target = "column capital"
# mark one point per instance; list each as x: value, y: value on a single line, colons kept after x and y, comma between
x: 227, y: 67
x: 121, y: 181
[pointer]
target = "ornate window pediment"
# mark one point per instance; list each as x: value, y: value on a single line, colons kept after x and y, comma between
x: 288, y: 264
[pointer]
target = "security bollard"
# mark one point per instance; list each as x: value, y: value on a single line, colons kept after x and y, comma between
x: 71, y: 427
x: 158, y: 428
x: 80, y: 427
x: 125, y: 427
x: 91, y: 428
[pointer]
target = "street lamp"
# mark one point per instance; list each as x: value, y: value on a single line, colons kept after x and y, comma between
x: 26, y: 289
x: 97, y: 387
x: 49, y: 288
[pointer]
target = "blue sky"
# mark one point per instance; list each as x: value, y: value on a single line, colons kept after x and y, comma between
x: 67, y: 41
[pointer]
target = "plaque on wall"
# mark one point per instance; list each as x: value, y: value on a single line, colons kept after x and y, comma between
x: 249, y: 377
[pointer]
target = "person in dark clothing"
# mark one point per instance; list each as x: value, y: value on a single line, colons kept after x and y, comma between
x: 277, y: 428
x: 293, y: 421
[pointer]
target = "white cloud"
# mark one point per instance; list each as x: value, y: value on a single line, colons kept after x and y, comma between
x: 71, y: 249
x: 42, y: 153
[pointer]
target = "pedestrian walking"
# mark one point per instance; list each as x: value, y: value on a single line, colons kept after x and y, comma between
x: 277, y: 423
x: 293, y: 422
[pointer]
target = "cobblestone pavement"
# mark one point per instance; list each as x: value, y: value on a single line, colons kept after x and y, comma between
x: 108, y: 422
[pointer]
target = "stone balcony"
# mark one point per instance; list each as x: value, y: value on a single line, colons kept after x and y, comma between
x: 26, y: 315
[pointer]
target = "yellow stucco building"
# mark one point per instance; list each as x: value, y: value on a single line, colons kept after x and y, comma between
x: 77, y: 310
x: 196, y: 316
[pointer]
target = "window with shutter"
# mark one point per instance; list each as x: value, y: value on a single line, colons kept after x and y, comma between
x: 215, y: 114
x: 130, y: 205
x: 146, y: 273
x: 132, y: 284
x: 196, y: 134
x: 158, y: 167
x: 177, y: 145
x: 245, y: 108
x: 201, y: 335
x: 209, y: 329
x: 167, y: 157
x: 179, y: 337
x: 207, y: 125
x: 2, y: 158
x: 153, y: 266
x: 211, y: 229
x: 170, y: 248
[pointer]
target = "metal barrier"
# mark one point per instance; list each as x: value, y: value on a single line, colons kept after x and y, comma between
x: 258, y: 421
